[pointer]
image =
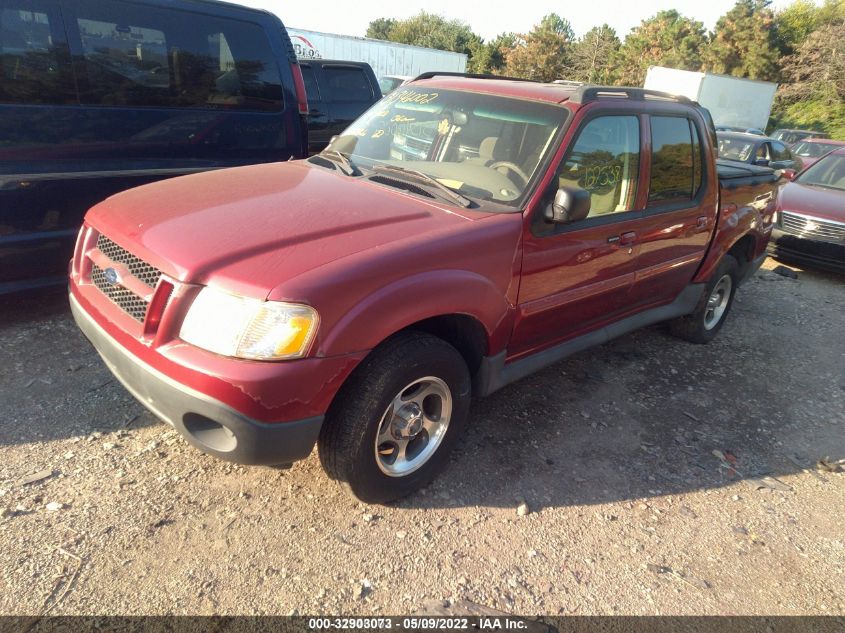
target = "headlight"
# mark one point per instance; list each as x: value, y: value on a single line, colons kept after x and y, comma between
x: 249, y: 328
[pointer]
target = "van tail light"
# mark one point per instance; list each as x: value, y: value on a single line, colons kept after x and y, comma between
x: 299, y: 85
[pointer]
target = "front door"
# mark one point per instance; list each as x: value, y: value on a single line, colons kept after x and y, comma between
x: 576, y: 276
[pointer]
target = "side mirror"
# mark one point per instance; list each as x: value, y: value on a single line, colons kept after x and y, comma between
x: 570, y: 204
x: 761, y: 162
x: 788, y: 174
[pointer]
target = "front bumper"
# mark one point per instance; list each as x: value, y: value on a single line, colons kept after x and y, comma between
x: 208, y: 424
x: 825, y: 255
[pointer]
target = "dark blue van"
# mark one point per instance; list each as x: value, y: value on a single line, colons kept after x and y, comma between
x: 97, y: 96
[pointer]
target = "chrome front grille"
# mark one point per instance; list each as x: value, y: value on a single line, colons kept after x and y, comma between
x: 129, y: 301
x: 812, y: 228
x: 138, y: 267
x: 132, y: 304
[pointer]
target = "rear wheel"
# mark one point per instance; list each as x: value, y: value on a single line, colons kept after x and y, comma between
x: 702, y: 325
x: 391, y: 428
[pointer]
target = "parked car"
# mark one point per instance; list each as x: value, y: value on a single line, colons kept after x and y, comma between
x: 745, y: 130
x: 97, y: 97
x: 791, y: 137
x: 389, y: 83
x: 811, y: 150
x: 338, y: 93
x: 810, y: 225
x: 358, y: 301
x: 756, y: 150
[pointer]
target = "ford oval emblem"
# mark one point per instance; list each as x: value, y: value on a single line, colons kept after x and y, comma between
x: 111, y: 276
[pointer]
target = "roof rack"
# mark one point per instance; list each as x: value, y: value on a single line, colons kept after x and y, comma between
x: 437, y: 73
x: 586, y: 94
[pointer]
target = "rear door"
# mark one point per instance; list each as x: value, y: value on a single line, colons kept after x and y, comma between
x: 576, y: 276
x: 681, y: 210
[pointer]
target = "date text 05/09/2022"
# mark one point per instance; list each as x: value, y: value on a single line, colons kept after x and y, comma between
x: 419, y: 623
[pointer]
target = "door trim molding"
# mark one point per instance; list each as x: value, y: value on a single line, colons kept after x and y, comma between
x: 495, y: 373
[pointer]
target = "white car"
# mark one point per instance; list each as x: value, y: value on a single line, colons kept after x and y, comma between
x: 389, y: 83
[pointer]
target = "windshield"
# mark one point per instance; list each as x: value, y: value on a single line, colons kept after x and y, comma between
x: 485, y: 147
x: 828, y: 172
x: 790, y: 136
x: 734, y: 149
x: 811, y: 150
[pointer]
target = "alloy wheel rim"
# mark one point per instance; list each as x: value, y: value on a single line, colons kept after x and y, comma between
x: 413, y: 426
x: 717, y: 302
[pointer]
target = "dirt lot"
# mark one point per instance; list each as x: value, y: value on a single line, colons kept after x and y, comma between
x: 641, y: 463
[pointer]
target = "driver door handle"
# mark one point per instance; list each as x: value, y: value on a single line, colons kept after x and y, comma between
x: 627, y: 238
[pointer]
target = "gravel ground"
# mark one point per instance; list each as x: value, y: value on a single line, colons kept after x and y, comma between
x: 659, y: 477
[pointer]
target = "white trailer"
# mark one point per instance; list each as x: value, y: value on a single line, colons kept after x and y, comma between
x: 731, y: 100
x: 386, y: 58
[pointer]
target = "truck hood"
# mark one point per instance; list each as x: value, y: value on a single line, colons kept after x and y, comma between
x: 820, y: 202
x: 249, y: 229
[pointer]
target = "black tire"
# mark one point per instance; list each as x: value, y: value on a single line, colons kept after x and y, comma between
x: 695, y: 327
x: 347, y: 442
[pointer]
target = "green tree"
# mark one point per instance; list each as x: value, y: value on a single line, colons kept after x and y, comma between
x: 435, y: 31
x: 380, y: 28
x: 744, y: 43
x: 831, y: 12
x: 489, y: 57
x: 592, y: 55
x: 794, y: 23
x: 543, y: 54
x: 814, y: 95
x: 666, y: 39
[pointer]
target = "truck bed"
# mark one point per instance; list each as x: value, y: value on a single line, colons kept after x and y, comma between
x: 733, y: 174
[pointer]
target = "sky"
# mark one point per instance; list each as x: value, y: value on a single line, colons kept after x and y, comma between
x: 488, y: 19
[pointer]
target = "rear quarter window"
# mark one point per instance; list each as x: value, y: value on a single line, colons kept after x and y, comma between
x: 148, y: 56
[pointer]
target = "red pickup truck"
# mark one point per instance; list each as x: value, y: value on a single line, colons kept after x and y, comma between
x: 464, y: 232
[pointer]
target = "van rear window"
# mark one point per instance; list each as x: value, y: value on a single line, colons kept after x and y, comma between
x: 146, y: 56
x: 347, y: 83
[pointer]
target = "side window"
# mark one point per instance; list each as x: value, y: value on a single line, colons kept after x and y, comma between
x: 347, y: 83
x: 605, y: 160
x: 697, y: 169
x: 31, y: 70
x: 311, y: 88
x: 147, y: 56
x: 673, y: 173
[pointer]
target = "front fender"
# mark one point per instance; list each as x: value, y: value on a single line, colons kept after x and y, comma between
x: 422, y: 296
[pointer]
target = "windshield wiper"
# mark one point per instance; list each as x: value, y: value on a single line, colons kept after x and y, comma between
x: 341, y: 160
x: 413, y: 174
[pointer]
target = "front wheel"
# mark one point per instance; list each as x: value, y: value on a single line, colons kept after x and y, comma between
x: 702, y: 325
x: 392, y: 426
